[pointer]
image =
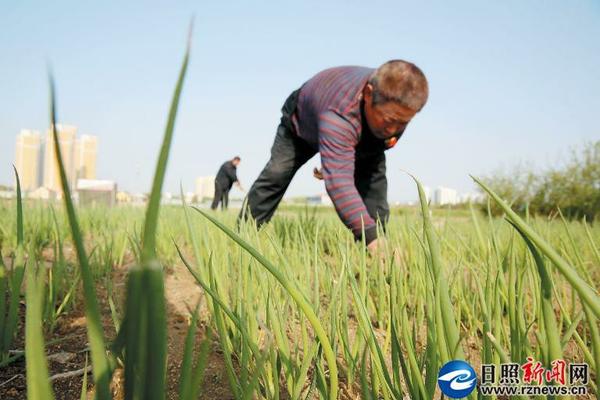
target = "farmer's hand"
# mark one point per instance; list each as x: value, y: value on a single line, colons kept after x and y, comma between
x: 376, y: 250
x: 376, y: 247
x: 318, y: 173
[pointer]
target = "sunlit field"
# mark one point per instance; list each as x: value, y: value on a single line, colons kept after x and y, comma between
x: 390, y: 322
x: 181, y: 302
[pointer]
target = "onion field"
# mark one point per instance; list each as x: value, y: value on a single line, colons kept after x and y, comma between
x: 182, y: 303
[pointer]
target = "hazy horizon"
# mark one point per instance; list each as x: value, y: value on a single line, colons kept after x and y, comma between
x: 510, y: 83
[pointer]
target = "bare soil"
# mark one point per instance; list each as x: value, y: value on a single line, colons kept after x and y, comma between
x: 182, y: 294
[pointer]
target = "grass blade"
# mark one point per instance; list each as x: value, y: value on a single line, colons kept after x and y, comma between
x: 100, y: 364
x: 145, y: 320
x: 38, y: 384
x: 16, y: 278
x: 185, y: 380
x: 554, y: 347
x: 83, y: 395
x: 201, y: 362
x: 448, y: 319
x: 151, y: 220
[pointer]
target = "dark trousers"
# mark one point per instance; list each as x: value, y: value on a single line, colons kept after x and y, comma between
x: 221, y: 195
x: 290, y: 152
x: 371, y: 182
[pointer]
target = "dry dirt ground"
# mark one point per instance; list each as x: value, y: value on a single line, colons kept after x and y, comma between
x: 70, y: 353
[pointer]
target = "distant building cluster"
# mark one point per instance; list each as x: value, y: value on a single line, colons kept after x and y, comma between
x: 319, y: 200
x: 37, y: 165
x: 442, y: 196
x: 205, y: 188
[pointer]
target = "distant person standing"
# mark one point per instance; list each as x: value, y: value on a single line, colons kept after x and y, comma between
x: 226, y: 177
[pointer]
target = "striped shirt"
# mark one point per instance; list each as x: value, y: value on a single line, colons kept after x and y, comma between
x: 328, y: 117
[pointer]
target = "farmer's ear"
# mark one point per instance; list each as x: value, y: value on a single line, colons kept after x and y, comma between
x: 368, y: 92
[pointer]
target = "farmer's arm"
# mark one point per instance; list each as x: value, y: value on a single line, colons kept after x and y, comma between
x: 232, y: 175
x: 337, y: 141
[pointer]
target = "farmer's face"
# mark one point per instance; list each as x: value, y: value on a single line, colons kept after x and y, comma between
x: 385, y: 119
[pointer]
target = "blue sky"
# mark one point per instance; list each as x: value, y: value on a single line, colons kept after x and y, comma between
x: 509, y: 82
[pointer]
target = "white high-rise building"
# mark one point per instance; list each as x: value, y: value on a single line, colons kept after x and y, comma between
x: 28, y: 152
x: 205, y: 188
x: 66, y: 139
x: 443, y: 196
x: 427, y: 192
x: 86, y: 149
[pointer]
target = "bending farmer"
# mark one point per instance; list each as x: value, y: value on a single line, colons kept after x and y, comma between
x: 350, y: 115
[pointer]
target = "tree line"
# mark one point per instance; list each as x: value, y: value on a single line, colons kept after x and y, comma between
x: 573, y: 187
